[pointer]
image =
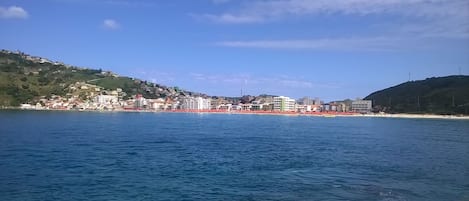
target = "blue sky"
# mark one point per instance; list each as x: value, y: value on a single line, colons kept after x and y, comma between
x: 332, y: 49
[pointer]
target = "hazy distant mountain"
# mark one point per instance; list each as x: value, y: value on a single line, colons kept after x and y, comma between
x: 438, y: 95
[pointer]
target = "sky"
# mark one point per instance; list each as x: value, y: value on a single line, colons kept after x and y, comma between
x: 331, y: 49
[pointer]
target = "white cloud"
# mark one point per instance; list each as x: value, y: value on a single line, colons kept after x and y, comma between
x: 266, y: 10
x: 111, y: 24
x: 345, y: 44
x: 13, y: 12
x: 247, y: 80
x: 214, y: 78
x: 429, y: 18
x: 125, y: 3
x: 232, y: 19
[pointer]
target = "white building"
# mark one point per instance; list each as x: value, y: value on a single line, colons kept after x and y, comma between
x: 157, y: 104
x: 226, y: 107
x: 195, y: 103
x: 140, y: 101
x: 105, y: 99
x: 284, y: 104
x: 306, y: 108
x: 362, y: 106
x: 256, y: 105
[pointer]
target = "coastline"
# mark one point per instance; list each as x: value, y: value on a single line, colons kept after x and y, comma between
x: 416, y: 116
x: 312, y: 114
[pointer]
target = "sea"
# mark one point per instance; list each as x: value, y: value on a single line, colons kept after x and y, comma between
x: 52, y: 155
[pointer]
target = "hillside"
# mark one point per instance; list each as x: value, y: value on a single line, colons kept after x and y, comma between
x: 24, y: 78
x: 440, y: 95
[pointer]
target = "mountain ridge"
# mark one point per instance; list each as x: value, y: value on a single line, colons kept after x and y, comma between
x: 435, y: 95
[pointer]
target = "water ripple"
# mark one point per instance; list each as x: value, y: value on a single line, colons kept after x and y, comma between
x: 133, y: 156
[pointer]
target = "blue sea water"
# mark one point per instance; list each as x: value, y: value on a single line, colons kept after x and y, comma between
x: 176, y: 156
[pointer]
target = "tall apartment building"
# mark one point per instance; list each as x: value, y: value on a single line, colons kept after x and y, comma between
x: 140, y: 101
x: 195, y: 103
x: 284, y: 104
x: 362, y: 106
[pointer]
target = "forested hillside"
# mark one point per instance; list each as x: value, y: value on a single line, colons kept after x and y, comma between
x: 438, y: 95
x: 24, y: 78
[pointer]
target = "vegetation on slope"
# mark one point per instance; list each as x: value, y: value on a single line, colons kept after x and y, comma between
x: 23, y: 81
x: 441, y: 95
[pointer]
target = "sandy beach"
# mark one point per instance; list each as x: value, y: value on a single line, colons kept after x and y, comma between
x: 313, y: 114
x: 413, y: 116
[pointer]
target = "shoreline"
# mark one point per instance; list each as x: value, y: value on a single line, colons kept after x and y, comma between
x: 416, y: 116
x: 312, y: 114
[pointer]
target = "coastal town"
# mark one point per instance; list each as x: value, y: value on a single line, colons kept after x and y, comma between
x: 99, y: 99
x: 86, y: 94
x: 44, y: 84
x: 234, y: 100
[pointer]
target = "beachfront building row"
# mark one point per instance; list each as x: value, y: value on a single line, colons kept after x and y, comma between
x: 278, y: 104
x: 112, y: 100
x: 138, y: 102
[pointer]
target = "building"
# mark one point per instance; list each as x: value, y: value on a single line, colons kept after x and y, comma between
x: 225, y: 107
x: 157, y: 104
x: 195, y: 103
x: 326, y: 107
x: 246, y: 106
x: 333, y: 107
x: 315, y: 108
x: 341, y: 107
x: 219, y: 103
x: 105, y: 99
x: 306, y: 101
x: 256, y: 106
x: 362, y: 106
x: 140, y: 102
x: 302, y: 108
x: 317, y: 101
x: 284, y: 104
x: 267, y: 106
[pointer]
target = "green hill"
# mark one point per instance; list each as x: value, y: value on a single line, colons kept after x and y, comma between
x: 440, y: 95
x: 24, y: 79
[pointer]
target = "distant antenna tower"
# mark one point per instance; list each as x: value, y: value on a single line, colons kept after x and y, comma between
x: 409, y: 76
